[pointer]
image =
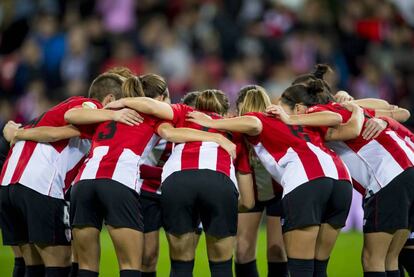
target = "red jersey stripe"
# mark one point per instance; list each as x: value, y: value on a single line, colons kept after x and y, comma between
x: 25, y: 156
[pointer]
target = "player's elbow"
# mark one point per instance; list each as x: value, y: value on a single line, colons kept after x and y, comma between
x: 69, y: 116
x: 403, y: 116
x: 166, y: 133
x: 254, y: 126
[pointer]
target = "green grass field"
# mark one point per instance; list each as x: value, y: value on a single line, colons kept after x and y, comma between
x: 345, y: 260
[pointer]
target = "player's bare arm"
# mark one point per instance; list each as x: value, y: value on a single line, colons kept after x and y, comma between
x: 249, y: 125
x: 181, y: 135
x: 349, y: 130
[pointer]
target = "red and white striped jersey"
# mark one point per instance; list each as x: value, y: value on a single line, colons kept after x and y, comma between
x: 265, y: 188
x: 157, y: 158
x: 118, y: 150
x: 291, y: 156
x: 401, y: 130
x: 373, y: 163
x: 48, y: 167
x: 197, y: 155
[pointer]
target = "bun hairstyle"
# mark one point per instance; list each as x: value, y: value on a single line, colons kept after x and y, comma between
x: 212, y: 100
x: 317, y: 74
x: 252, y: 98
x: 309, y: 94
x: 321, y: 70
x: 315, y: 87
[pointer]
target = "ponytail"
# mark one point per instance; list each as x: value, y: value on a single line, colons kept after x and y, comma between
x: 212, y: 100
x: 310, y: 94
x: 132, y: 87
x: 252, y: 98
x: 320, y: 71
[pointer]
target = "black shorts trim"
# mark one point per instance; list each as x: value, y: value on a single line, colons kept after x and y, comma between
x: 323, y: 200
x: 97, y: 200
x: 273, y: 206
x: 391, y: 208
x: 31, y: 217
x: 189, y: 196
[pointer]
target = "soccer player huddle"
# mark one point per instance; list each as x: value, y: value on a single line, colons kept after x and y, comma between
x: 128, y: 158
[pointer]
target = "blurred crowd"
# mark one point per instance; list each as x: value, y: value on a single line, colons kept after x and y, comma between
x: 52, y: 49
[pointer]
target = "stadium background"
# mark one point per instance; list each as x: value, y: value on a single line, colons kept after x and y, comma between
x: 52, y: 49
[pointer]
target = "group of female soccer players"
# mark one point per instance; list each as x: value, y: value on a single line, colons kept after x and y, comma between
x: 127, y: 158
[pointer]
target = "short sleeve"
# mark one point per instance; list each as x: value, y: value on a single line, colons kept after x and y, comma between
x: 262, y: 117
x: 159, y: 123
x: 85, y: 103
x: 370, y: 112
x: 316, y: 109
x: 400, y: 129
x: 87, y: 131
x: 180, y: 112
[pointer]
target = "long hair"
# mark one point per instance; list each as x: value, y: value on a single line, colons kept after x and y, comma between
x: 252, y: 98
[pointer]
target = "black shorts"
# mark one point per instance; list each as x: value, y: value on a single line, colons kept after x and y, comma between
x: 392, y: 208
x: 273, y: 206
x: 151, y: 211
x: 323, y: 200
x: 93, y: 201
x: 192, y: 195
x: 31, y: 217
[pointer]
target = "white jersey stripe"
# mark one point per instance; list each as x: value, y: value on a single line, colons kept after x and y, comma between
x: 126, y: 169
x: 92, y: 165
x: 403, y: 145
x: 294, y: 171
x: 386, y: 167
x: 233, y: 176
x: 45, y: 173
x: 173, y: 163
x: 359, y: 169
x: 13, y: 160
x: 409, y: 141
x: 269, y: 163
x: 326, y: 161
x: 148, y: 148
x: 207, y: 158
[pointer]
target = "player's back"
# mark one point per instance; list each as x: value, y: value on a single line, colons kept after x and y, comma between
x: 43, y: 166
x: 118, y: 150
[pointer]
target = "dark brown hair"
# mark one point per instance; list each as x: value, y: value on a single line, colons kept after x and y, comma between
x: 190, y: 98
x: 309, y: 94
x: 317, y: 74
